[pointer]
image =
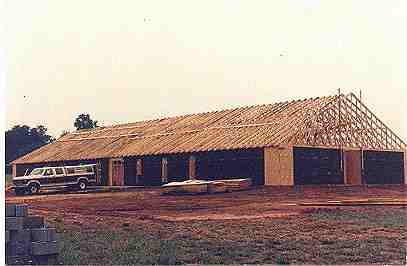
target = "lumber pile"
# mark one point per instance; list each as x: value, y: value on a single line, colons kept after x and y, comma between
x: 236, y: 184
x: 217, y: 187
x: 28, y: 240
x: 186, y: 187
x: 206, y: 186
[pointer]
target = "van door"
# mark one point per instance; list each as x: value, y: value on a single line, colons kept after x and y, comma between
x: 48, y: 178
x: 59, y: 176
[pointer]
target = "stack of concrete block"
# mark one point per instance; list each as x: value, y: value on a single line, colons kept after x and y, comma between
x: 28, y: 240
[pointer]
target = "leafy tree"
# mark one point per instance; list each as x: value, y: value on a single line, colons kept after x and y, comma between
x: 21, y: 140
x: 83, y: 121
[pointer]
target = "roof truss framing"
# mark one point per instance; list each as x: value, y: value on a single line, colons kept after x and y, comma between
x: 346, y: 122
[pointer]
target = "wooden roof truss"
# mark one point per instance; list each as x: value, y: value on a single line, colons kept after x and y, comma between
x: 346, y: 122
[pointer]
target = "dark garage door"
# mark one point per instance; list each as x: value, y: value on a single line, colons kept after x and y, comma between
x: 151, y: 171
x: 130, y: 178
x: 317, y: 166
x: 383, y: 167
x: 178, y: 167
x: 231, y: 164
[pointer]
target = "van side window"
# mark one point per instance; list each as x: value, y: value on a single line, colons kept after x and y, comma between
x: 48, y: 172
x: 59, y: 171
x: 69, y: 171
x: 79, y: 170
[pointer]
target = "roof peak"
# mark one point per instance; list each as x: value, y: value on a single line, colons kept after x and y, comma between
x: 154, y: 120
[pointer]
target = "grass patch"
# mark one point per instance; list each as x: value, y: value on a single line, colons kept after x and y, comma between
x: 119, y: 248
x: 9, y: 179
x: 386, y: 219
x: 339, y: 236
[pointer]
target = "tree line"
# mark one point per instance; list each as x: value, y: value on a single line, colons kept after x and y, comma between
x: 22, y: 139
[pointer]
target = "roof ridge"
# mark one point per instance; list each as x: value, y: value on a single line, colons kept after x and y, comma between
x: 121, y: 126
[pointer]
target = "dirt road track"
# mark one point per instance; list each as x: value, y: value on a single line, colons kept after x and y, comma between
x: 264, y: 202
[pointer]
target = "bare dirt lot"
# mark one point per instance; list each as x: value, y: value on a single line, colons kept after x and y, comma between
x: 310, y: 225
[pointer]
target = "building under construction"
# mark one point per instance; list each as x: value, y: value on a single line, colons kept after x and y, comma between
x: 324, y: 140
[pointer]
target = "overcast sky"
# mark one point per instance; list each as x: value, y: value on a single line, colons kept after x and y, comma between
x: 124, y: 61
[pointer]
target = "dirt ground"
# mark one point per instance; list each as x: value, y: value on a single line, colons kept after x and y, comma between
x: 252, y: 216
x: 265, y: 202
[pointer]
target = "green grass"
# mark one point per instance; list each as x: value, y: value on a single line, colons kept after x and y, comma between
x: 9, y: 179
x: 120, y: 248
x: 318, y: 237
x: 359, y: 217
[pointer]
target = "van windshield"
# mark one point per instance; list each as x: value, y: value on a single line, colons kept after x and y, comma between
x: 37, y: 171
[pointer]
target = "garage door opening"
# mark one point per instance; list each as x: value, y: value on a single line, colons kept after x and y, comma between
x: 231, y: 164
x: 313, y: 166
x: 381, y: 167
x: 178, y: 168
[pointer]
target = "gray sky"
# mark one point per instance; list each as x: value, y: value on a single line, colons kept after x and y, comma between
x: 124, y: 61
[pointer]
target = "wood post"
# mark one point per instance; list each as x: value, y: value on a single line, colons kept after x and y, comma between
x: 278, y: 166
x: 110, y: 173
x: 14, y: 170
x: 192, y: 167
x: 164, y: 170
x: 352, y: 167
x: 139, y: 167
x: 405, y: 167
x: 139, y: 170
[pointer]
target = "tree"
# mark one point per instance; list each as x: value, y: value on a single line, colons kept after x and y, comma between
x: 83, y: 121
x: 21, y: 140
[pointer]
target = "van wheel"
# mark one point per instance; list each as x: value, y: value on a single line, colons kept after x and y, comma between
x: 82, y: 184
x: 34, y: 188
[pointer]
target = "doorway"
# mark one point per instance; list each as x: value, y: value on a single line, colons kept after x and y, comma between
x: 117, y: 172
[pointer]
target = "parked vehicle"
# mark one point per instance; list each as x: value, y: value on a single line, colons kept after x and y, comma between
x: 76, y: 177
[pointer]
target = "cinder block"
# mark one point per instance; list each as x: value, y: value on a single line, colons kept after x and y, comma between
x: 44, y: 248
x: 33, y: 222
x: 22, y: 210
x: 20, y: 260
x: 52, y: 234
x: 14, y: 223
x: 7, y: 236
x: 10, y: 210
x: 45, y: 259
x: 17, y: 248
x: 43, y: 235
x: 23, y: 235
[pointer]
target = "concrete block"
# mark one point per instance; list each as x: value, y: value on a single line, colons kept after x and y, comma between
x: 44, y: 248
x: 10, y: 210
x: 33, y: 222
x: 19, y: 260
x: 7, y: 236
x: 14, y: 223
x: 17, y: 248
x: 23, y: 235
x: 22, y: 210
x: 45, y: 259
x: 43, y: 235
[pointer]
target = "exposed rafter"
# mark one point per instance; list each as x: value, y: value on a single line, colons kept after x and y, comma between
x: 348, y: 124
